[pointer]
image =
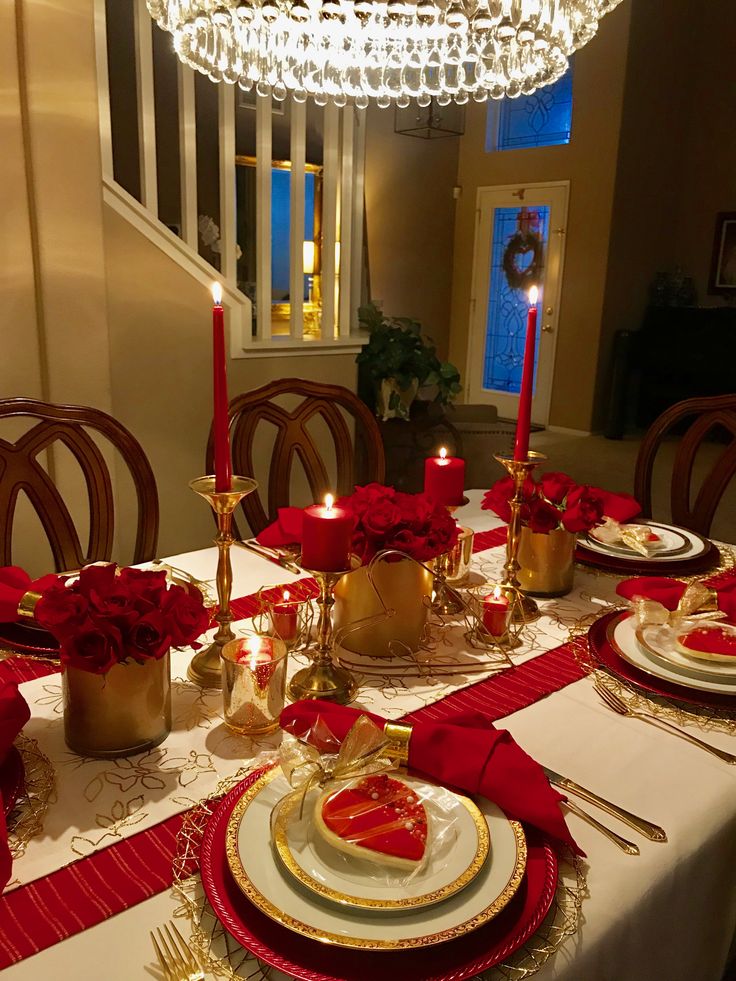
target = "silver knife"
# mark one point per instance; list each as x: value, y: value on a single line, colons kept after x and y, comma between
x: 268, y: 553
x: 651, y: 831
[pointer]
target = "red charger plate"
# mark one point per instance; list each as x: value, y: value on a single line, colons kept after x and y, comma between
x: 638, y: 567
x: 310, y: 960
x: 12, y: 776
x: 26, y: 639
x: 607, y: 656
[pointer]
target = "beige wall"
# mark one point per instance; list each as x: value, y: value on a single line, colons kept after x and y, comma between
x: 589, y: 163
x: 410, y: 219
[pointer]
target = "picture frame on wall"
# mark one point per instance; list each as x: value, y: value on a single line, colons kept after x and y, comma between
x: 723, y: 264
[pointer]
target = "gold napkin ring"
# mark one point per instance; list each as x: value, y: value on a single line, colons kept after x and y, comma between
x: 27, y: 604
x: 398, y: 736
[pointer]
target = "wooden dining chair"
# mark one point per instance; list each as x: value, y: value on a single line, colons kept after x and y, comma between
x: 311, y: 406
x: 25, y: 466
x: 702, y: 417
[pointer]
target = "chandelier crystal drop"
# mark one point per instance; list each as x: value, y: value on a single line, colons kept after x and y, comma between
x: 388, y: 51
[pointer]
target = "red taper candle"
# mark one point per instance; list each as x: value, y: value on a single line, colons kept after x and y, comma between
x: 223, y: 464
x: 327, y: 535
x: 521, y: 446
x: 444, y: 478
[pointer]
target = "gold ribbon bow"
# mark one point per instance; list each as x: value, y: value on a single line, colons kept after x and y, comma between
x: 697, y: 602
x: 635, y: 536
x: 364, y: 750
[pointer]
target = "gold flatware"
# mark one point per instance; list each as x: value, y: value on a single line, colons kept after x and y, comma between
x: 617, y: 705
x: 651, y: 831
x: 626, y: 846
x: 272, y: 554
x: 175, y: 957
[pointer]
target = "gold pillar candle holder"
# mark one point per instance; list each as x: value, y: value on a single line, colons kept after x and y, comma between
x: 282, y: 615
x: 204, y: 668
x: 523, y: 608
x: 253, y: 684
x: 446, y: 600
x: 323, y: 678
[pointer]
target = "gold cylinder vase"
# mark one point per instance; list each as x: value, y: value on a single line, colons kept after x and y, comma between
x: 127, y: 710
x: 404, y: 586
x: 547, y: 562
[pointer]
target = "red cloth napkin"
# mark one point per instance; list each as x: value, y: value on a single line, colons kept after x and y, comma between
x: 285, y: 530
x: 668, y: 592
x: 620, y: 507
x: 469, y: 754
x: 14, y: 582
x: 14, y: 713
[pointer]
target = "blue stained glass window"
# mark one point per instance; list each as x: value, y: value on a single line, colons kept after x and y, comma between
x: 503, y: 357
x: 543, y: 118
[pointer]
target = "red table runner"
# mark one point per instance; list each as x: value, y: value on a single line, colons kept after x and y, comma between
x: 90, y: 890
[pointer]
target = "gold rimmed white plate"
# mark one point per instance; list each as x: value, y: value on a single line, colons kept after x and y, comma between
x: 675, y: 543
x: 274, y: 891
x: 621, y: 635
x: 461, y: 842
x: 656, y: 641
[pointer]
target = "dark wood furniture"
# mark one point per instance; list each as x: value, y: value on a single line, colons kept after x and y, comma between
x: 22, y: 470
x: 704, y: 418
x: 361, y: 461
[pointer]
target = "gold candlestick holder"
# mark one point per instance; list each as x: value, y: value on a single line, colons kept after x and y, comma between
x: 523, y: 608
x: 205, y: 668
x: 323, y: 678
x: 445, y: 599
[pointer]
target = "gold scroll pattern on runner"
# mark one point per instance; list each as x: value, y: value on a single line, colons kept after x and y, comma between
x: 223, y: 957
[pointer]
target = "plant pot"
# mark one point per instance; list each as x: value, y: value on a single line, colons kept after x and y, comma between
x: 547, y: 562
x: 127, y: 710
x: 398, y: 407
x: 404, y: 586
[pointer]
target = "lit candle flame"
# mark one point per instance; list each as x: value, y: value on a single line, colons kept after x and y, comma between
x: 497, y: 593
x: 286, y: 595
x: 254, y: 646
x: 443, y: 453
x: 533, y: 296
x: 329, y: 501
x: 217, y: 294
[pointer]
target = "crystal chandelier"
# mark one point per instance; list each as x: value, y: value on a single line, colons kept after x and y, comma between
x: 390, y: 51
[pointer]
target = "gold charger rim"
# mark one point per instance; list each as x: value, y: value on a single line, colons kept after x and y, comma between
x: 430, y: 898
x: 255, y: 896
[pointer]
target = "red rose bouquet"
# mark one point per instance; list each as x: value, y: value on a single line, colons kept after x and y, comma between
x: 109, y: 615
x: 557, y: 501
x: 387, y: 518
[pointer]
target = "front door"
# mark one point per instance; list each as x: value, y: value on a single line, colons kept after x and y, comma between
x: 520, y: 234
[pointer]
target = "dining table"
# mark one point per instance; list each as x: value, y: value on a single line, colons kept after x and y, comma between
x: 97, y: 876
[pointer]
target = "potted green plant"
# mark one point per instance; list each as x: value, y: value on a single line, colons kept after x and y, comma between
x: 397, y: 361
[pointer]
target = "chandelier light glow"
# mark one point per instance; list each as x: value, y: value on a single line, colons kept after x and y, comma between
x: 389, y: 51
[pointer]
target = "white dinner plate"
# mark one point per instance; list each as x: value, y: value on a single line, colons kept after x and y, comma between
x: 655, y: 640
x: 460, y: 839
x: 678, y: 544
x: 622, y: 637
x: 275, y: 892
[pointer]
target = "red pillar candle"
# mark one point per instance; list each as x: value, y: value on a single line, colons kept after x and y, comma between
x: 444, y: 478
x: 496, y: 613
x: 521, y: 446
x: 327, y: 535
x: 284, y: 616
x: 223, y: 464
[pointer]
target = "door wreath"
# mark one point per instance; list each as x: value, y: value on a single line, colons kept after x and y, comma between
x: 520, y: 243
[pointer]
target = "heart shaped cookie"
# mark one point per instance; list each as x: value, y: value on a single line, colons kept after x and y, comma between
x: 713, y: 643
x: 379, y: 818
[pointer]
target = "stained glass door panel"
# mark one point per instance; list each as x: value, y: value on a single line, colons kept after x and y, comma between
x: 500, y: 298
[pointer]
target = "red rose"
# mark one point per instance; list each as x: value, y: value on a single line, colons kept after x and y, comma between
x: 186, y: 616
x: 145, y: 587
x: 584, y: 510
x: 116, y: 607
x: 556, y: 486
x: 543, y: 517
x: 148, y: 638
x: 61, y: 611
x: 497, y: 498
x: 95, y: 578
x: 93, y: 648
x: 380, y: 520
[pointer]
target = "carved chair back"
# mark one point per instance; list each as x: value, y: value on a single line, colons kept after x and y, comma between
x: 27, y: 465
x: 297, y: 429
x: 707, y: 415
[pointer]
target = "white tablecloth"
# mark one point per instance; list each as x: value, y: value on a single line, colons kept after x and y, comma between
x: 667, y: 915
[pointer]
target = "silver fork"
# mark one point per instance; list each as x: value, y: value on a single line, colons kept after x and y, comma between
x: 175, y: 956
x: 617, y: 705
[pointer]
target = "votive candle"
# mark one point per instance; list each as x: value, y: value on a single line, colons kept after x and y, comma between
x: 496, y: 613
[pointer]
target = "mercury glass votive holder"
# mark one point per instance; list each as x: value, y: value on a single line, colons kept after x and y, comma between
x: 253, y: 684
x: 459, y: 557
x: 284, y: 615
